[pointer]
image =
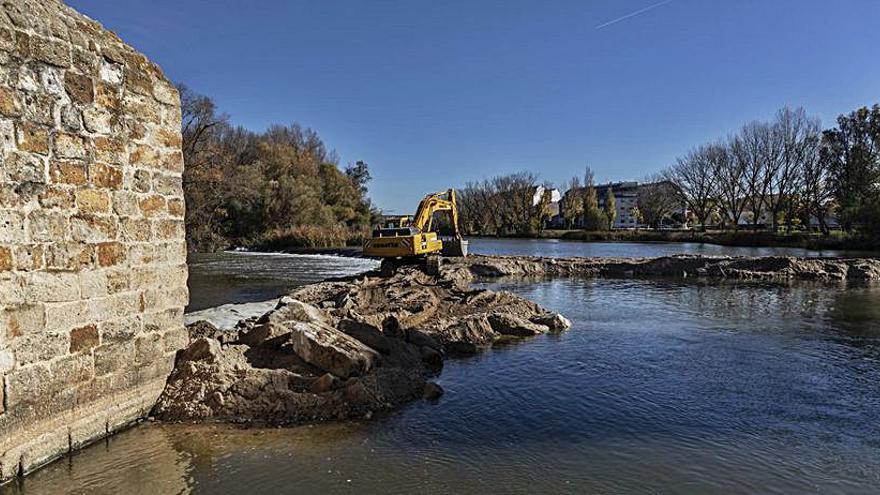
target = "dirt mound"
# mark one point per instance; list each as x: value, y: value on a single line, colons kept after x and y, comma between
x: 342, y: 349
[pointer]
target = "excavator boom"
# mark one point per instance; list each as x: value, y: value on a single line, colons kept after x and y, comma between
x: 418, y: 238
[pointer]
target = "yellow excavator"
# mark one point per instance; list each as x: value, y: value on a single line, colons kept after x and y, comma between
x: 416, y: 238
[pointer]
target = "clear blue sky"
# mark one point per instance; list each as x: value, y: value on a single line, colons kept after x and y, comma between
x: 435, y: 93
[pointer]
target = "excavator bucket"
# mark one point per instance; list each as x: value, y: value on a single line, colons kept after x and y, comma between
x: 455, y: 247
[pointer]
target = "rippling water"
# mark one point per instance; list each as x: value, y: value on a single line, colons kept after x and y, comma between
x: 561, y: 248
x: 236, y: 277
x: 660, y: 386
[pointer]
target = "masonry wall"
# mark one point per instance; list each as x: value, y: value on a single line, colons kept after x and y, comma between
x: 92, y: 253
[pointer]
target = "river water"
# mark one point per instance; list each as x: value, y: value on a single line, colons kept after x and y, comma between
x: 660, y: 386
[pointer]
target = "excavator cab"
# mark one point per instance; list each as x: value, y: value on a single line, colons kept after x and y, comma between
x: 416, y: 238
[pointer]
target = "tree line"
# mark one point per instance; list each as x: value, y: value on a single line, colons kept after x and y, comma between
x: 784, y: 173
x: 246, y: 188
x: 787, y: 172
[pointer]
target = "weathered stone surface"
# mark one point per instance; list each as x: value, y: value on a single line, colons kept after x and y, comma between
x: 331, y: 350
x: 82, y: 266
x: 508, y: 324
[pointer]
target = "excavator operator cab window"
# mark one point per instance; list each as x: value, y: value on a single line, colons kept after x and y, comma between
x: 398, y: 232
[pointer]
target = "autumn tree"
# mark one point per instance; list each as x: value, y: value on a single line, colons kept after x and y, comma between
x: 610, y: 207
x: 572, y: 204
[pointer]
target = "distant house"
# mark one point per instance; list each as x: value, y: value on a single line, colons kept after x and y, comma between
x: 555, y: 220
x: 626, y: 195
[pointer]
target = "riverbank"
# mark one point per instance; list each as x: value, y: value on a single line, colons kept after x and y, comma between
x: 818, y: 242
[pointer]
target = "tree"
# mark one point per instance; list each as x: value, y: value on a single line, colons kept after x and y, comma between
x: 610, y: 207
x: 572, y: 204
x: 359, y: 173
x: 694, y: 177
x: 243, y: 187
x: 851, y: 153
x: 594, y: 218
x: 656, y: 200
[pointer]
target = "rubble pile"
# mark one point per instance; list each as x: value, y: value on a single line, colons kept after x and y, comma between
x: 343, y: 349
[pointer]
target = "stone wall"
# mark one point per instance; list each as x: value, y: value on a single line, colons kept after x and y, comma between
x: 92, y: 253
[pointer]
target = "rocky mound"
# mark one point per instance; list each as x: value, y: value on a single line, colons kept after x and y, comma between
x: 737, y: 267
x: 342, y: 349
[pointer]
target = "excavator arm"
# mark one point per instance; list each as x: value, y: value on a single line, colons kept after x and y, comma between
x: 441, y: 201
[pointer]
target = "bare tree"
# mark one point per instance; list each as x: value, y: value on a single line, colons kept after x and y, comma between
x: 796, y: 134
x: 730, y: 180
x: 694, y: 177
x: 657, y: 199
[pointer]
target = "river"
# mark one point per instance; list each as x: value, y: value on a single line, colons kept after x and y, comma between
x: 660, y: 386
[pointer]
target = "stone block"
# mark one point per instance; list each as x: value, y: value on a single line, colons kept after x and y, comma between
x: 55, y: 197
x: 141, y: 181
x: 103, y: 175
x: 135, y: 229
x: 93, y: 228
x: 113, y: 357
x: 62, y: 317
x: 169, y: 229
x: 97, y: 120
x: 71, y: 119
x: 68, y: 172
x: 5, y: 259
x: 125, y: 203
x: 39, y: 348
x: 50, y: 287
x: 28, y: 257
x: 84, y: 338
x: 72, y: 370
x: 109, y: 149
x: 148, y: 348
x: 10, y: 104
x: 108, y: 97
x: 110, y: 253
x: 68, y: 145
x: 33, y: 138
x: 25, y: 167
x: 68, y: 256
x: 47, y: 225
x: 50, y: 51
x: 120, y: 329
x: 12, y: 226
x: 168, y: 185
x: 91, y: 201
x: 79, y: 87
x: 23, y: 319
x: 27, y: 384
x: 176, y: 208
x: 152, y: 205
x: 144, y: 156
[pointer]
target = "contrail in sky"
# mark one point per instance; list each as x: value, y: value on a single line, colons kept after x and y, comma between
x: 633, y: 14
